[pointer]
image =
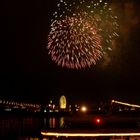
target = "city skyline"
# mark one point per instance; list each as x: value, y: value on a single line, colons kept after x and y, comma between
x: 29, y: 74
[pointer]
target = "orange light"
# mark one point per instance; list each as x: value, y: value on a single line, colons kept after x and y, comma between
x: 83, y: 109
x: 87, y: 134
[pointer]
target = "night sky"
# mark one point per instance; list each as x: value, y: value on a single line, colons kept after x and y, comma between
x: 28, y: 74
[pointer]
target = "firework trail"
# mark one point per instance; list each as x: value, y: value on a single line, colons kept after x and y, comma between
x: 81, y: 33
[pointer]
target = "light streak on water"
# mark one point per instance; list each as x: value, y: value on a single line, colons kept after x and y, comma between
x: 57, y: 134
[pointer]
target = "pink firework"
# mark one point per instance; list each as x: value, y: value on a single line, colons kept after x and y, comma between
x: 76, y: 40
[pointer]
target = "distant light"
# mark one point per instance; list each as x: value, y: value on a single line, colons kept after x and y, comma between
x: 53, y: 106
x: 83, y: 109
x: 113, y: 101
x: 120, y: 109
x: 7, y: 109
x: 45, y: 110
x: 36, y: 138
x: 99, y: 108
x: 98, y: 120
x: 133, y: 108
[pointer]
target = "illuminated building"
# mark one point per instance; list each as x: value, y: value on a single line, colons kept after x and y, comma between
x: 63, y: 102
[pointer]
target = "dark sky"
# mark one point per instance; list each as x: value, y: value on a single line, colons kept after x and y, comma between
x: 28, y: 74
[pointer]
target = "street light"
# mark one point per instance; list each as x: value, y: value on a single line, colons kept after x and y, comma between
x: 83, y: 109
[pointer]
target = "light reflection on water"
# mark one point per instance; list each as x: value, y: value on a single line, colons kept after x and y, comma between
x: 16, y: 126
x: 54, y: 122
x: 29, y: 128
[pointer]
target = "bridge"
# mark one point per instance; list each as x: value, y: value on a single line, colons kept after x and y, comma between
x: 123, y: 106
x: 6, y: 105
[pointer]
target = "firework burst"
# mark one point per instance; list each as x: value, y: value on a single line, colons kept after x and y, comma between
x: 81, y: 33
